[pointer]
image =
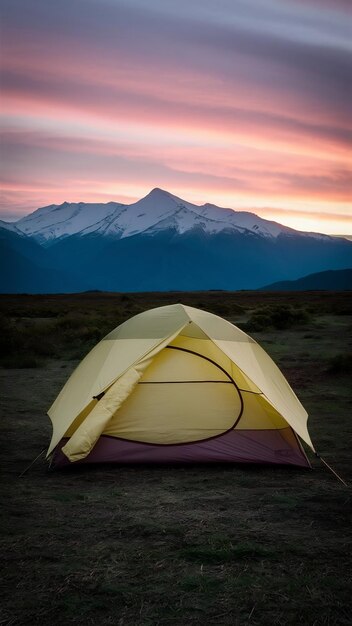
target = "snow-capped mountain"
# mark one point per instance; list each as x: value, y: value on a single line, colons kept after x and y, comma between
x: 159, y: 243
x: 158, y: 210
x: 55, y: 221
x: 10, y: 226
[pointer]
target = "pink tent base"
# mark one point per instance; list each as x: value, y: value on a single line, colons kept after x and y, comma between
x: 236, y: 446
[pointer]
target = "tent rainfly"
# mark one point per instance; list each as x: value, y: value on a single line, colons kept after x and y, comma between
x: 177, y: 384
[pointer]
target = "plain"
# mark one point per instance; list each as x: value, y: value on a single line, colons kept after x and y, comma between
x: 137, y: 545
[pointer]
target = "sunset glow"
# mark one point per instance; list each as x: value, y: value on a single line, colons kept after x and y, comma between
x: 243, y: 104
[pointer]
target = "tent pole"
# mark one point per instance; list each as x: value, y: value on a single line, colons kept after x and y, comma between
x: 32, y: 463
x: 331, y: 470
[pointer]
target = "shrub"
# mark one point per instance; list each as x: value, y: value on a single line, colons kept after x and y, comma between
x: 280, y: 317
x: 70, y: 321
x: 225, y: 309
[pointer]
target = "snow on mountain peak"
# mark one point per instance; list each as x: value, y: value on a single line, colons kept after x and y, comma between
x: 11, y: 226
x: 215, y: 218
x: 57, y: 221
x: 245, y: 219
x: 158, y: 210
x: 155, y: 207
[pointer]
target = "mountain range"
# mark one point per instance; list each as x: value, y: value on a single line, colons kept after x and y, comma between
x: 159, y: 243
x: 334, y: 280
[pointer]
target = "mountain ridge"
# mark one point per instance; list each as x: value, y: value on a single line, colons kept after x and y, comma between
x: 330, y: 280
x: 159, y: 243
x: 124, y: 220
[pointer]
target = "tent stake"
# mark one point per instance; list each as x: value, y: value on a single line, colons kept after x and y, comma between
x: 32, y: 463
x: 331, y: 470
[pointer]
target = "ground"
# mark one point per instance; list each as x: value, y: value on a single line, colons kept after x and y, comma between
x: 143, y: 546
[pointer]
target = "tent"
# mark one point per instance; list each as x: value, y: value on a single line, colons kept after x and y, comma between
x: 177, y: 384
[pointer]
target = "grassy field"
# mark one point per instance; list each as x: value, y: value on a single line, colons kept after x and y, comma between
x: 143, y: 546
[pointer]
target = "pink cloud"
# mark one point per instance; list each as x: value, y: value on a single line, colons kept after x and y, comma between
x: 118, y: 100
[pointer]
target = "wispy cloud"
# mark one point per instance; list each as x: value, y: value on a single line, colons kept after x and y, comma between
x: 244, y: 102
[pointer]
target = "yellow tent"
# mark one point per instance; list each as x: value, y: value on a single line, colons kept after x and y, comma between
x: 177, y: 384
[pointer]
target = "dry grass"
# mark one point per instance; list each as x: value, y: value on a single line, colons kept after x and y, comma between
x: 143, y: 546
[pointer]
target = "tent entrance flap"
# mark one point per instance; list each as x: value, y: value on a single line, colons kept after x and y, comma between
x: 88, y: 432
x: 183, y: 397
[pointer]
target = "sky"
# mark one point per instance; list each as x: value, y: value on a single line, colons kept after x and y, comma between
x: 241, y: 103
